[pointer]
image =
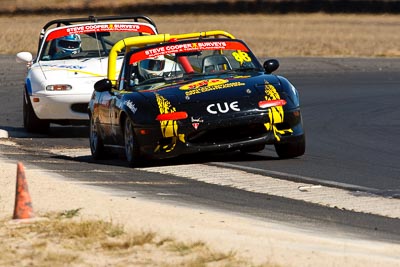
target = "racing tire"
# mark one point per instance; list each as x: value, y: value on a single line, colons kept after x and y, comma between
x: 292, y: 149
x: 95, y: 141
x: 32, y: 123
x: 132, y: 149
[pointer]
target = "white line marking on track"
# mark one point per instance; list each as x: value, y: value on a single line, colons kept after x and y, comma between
x: 317, y: 194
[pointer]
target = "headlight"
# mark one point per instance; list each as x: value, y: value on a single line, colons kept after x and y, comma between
x: 271, y: 103
x: 58, y: 87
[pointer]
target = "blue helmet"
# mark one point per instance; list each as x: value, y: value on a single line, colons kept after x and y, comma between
x: 67, y: 45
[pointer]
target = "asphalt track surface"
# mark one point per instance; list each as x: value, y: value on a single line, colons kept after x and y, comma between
x: 351, y: 115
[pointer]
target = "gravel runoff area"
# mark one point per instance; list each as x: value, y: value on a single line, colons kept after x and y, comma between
x: 256, y: 240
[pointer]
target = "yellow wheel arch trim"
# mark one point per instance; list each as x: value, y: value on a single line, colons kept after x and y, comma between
x: 152, y: 39
x: 275, y: 113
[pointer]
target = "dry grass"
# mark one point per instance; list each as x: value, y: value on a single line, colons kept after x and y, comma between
x: 267, y: 35
x: 58, y: 240
x: 38, y: 4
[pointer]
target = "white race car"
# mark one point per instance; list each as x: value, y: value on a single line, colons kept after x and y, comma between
x: 72, y: 55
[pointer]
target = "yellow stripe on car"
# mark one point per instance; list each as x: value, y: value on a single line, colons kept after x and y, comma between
x: 275, y: 114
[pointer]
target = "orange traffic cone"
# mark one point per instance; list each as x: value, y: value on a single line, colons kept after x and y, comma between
x: 23, y: 204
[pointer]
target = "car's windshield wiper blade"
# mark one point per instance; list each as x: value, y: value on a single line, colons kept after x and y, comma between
x: 153, y: 80
x: 192, y: 74
x: 89, y: 54
x: 80, y: 54
x: 62, y: 57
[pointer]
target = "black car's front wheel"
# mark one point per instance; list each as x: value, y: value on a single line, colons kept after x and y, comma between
x: 96, y: 143
x: 132, y: 151
x: 293, y: 148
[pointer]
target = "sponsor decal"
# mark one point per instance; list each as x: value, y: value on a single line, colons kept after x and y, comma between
x: 241, y: 57
x: 223, y: 108
x: 208, y: 85
x: 196, y: 122
x: 213, y: 88
x: 198, y: 84
x: 169, y: 128
x: 117, y: 27
x: 276, y: 113
x: 71, y: 67
x: 131, y: 106
x: 174, y: 48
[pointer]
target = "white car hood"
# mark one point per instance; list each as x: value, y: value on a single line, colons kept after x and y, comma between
x: 72, y: 68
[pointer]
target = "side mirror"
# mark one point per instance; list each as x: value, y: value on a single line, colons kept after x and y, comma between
x: 24, y: 57
x: 271, y: 65
x: 103, y: 85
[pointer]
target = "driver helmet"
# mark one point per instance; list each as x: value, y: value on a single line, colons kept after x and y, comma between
x: 68, y: 45
x: 152, y: 67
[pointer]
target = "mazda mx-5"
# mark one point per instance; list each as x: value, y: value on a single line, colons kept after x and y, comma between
x: 190, y: 93
x: 71, y: 57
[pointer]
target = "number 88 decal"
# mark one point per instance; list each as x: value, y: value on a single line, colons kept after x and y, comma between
x: 241, y: 56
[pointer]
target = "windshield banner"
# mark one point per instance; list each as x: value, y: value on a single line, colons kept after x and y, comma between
x: 174, y: 48
x: 112, y: 27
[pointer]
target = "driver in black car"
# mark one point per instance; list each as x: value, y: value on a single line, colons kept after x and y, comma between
x: 152, y: 67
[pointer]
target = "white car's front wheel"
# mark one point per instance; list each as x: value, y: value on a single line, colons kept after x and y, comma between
x: 32, y: 123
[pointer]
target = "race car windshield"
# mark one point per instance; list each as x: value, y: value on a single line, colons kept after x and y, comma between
x: 153, y: 64
x: 89, y: 41
x: 178, y: 59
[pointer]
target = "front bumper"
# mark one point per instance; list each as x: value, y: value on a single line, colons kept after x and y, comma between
x: 61, y: 107
x: 234, y: 134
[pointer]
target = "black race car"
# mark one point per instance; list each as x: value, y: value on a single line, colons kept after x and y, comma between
x: 189, y: 93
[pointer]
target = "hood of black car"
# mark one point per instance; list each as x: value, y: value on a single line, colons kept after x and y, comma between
x: 214, y: 98
x: 214, y: 89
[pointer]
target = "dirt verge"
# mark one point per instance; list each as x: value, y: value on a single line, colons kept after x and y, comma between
x: 253, y: 242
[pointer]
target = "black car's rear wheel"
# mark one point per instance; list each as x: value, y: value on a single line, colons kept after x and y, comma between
x: 293, y: 148
x: 32, y: 123
x: 96, y: 143
x: 132, y: 151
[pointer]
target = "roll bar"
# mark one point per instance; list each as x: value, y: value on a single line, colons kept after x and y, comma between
x: 136, y: 41
x: 94, y: 19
